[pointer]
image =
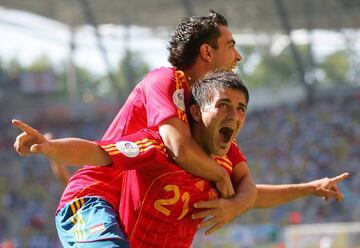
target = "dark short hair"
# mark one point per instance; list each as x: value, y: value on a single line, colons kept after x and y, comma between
x: 205, y: 89
x: 190, y: 34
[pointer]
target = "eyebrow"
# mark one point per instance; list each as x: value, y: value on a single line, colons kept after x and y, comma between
x: 228, y: 100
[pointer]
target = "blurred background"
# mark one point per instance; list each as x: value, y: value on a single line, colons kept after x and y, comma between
x: 67, y: 66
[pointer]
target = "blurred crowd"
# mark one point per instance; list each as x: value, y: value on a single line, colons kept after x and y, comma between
x: 29, y: 192
x: 284, y: 144
x: 302, y: 142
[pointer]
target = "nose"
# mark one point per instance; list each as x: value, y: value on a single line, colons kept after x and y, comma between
x: 238, y: 56
x: 233, y: 114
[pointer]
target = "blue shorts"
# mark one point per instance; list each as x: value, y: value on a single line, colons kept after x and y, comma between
x: 89, y: 222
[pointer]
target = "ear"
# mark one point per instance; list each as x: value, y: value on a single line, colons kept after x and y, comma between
x: 206, y: 52
x: 195, y: 112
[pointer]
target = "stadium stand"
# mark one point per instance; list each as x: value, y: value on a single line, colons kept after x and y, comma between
x: 284, y: 144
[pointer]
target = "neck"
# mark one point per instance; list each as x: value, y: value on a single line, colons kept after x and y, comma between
x: 197, y: 135
x: 195, y: 72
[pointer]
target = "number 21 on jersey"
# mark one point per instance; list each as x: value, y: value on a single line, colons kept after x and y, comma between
x: 162, y: 205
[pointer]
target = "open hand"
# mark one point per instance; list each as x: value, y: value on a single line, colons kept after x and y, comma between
x: 217, y: 213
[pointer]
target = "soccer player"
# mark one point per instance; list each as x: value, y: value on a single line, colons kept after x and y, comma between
x: 159, y: 102
x: 198, y: 45
x: 160, y: 203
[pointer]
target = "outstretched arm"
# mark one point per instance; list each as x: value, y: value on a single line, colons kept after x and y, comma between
x: 222, y: 211
x: 67, y: 151
x: 274, y: 195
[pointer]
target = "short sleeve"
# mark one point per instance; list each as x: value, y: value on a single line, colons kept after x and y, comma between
x: 165, y: 92
x: 135, y: 150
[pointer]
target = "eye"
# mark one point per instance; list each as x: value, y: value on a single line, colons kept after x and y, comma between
x: 222, y: 105
x: 241, y: 109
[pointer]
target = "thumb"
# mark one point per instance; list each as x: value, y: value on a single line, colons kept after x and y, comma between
x: 37, y: 148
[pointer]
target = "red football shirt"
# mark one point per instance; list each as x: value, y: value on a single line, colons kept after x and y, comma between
x: 162, y: 94
x: 157, y: 195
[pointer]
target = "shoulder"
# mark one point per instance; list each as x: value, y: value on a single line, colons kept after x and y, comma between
x: 160, y: 78
x: 235, y: 154
x: 161, y: 73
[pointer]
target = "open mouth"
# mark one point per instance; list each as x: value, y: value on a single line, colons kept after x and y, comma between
x: 226, y: 134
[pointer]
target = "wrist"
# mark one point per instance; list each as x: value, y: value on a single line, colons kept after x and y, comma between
x: 240, y: 205
x: 307, y: 188
x: 52, y: 150
x: 222, y: 175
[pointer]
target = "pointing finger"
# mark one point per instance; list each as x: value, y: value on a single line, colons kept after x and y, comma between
x: 27, y: 129
x: 339, y: 178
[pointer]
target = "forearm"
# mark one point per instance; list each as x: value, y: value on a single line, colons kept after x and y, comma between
x: 191, y: 157
x: 245, y: 195
x: 188, y: 154
x: 269, y: 196
x: 74, y: 151
x: 245, y: 188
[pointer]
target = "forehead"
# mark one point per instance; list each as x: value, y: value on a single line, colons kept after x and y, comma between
x: 226, y: 34
x: 234, y: 95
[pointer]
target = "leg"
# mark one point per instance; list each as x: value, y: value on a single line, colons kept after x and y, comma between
x: 89, y: 222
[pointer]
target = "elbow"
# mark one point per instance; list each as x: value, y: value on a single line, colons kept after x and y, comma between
x: 179, y: 148
x: 178, y: 151
x: 254, y: 197
x: 253, y: 194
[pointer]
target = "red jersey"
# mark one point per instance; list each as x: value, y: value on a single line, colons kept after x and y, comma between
x: 162, y: 94
x: 157, y: 195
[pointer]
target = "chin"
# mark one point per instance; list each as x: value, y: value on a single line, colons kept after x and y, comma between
x: 222, y: 151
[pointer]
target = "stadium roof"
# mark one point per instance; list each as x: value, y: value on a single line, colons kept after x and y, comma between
x: 252, y: 15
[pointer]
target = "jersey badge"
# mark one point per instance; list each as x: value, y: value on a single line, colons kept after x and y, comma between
x: 179, y: 99
x: 128, y: 148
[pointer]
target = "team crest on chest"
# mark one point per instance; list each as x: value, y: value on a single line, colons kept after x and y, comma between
x: 128, y: 148
x: 178, y: 99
